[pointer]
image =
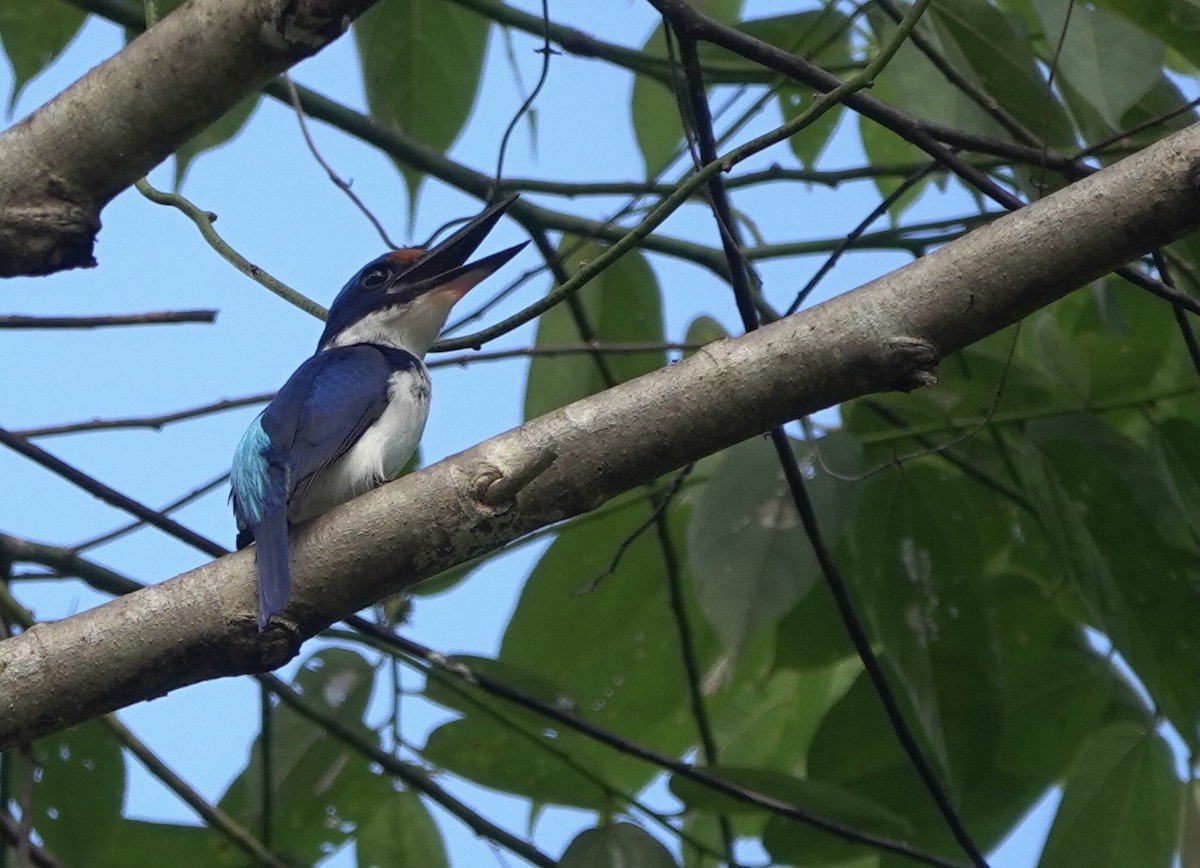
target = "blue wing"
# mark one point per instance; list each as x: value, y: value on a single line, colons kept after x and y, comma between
x: 320, y: 412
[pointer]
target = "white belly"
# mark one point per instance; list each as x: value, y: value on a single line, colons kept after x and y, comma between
x: 379, y: 455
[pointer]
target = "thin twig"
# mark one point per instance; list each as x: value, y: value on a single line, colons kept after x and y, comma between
x: 412, y: 776
x: 1181, y: 321
x: 933, y: 448
x: 213, y: 816
x: 65, y: 562
x: 10, y: 830
x: 709, y: 752
x: 183, y: 500
x: 534, y: 737
x: 700, y: 776
x: 160, y: 420
x: 109, y: 495
x: 743, y: 296
x: 163, y: 317
x: 974, y: 92
x: 858, y: 231
x: 546, y: 52
x: 656, y: 512
x: 337, y: 180
x: 1150, y: 124
x: 204, y: 222
x: 154, y: 422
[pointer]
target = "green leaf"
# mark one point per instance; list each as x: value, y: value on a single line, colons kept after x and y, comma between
x: 654, y: 111
x: 78, y: 791
x: 826, y: 800
x: 749, y: 554
x: 1162, y: 110
x: 1119, y: 804
x: 1175, y: 22
x: 33, y: 33
x: 790, y: 841
x: 810, y: 142
x: 546, y: 765
x: 885, y: 148
x: 919, y: 561
x: 142, y: 844
x: 621, y: 305
x: 401, y: 834
x: 855, y: 749
x: 1110, y: 81
x: 703, y: 330
x: 609, y: 640
x: 321, y: 787
x: 771, y: 720
x: 1116, y: 339
x: 1175, y: 447
x: 653, y: 107
x: 812, y: 635
x: 823, y: 37
x: 705, y: 830
x: 616, y: 845
x: 1056, y: 687
x: 995, y: 47
x: 464, y: 697
x: 422, y: 62
x: 911, y: 82
x: 216, y: 134
x: 1100, y: 498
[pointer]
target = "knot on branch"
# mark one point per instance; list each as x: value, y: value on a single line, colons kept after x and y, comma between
x: 494, y: 485
x: 47, y: 236
x: 911, y: 363
x: 306, y: 26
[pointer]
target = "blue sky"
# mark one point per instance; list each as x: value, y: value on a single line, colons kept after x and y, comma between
x: 276, y: 207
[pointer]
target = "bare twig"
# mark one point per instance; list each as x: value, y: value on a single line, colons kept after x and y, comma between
x: 196, y: 493
x: 546, y: 51
x: 108, y: 495
x: 412, y: 776
x: 160, y: 420
x: 213, y: 816
x: 660, y: 504
x: 155, y: 422
x: 857, y: 233
x: 337, y: 180
x: 702, y: 119
x: 11, y: 831
x: 700, y: 776
x: 164, y: 317
x: 204, y: 222
x: 66, y: 562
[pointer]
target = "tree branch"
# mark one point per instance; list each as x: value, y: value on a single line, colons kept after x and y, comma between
x: 885, y: 335
x: 159, y: 317
x: 61, y: 165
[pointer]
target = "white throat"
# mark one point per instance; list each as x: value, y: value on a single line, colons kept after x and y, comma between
x: 413, y: 326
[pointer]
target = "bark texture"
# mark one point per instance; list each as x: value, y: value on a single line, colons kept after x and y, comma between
x: 885, y: 335
x: 61, y: 165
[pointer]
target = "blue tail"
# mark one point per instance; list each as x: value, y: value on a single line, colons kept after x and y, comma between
x: 274, y: 575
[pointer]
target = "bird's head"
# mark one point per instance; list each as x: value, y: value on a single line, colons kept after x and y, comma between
x: 402, y: 298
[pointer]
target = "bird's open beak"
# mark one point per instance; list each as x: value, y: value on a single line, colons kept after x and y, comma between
x: 444, y: 268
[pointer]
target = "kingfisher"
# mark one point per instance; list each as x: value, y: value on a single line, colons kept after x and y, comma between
x: 350, y: 417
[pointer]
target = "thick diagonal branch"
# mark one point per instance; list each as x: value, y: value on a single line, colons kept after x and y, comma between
x: 885, y: 335
x: 61, y: 165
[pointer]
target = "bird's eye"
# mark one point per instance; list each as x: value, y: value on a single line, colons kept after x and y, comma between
x: 374, y: 279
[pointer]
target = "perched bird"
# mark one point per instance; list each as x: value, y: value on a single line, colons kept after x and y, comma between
x: 351, y: 416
